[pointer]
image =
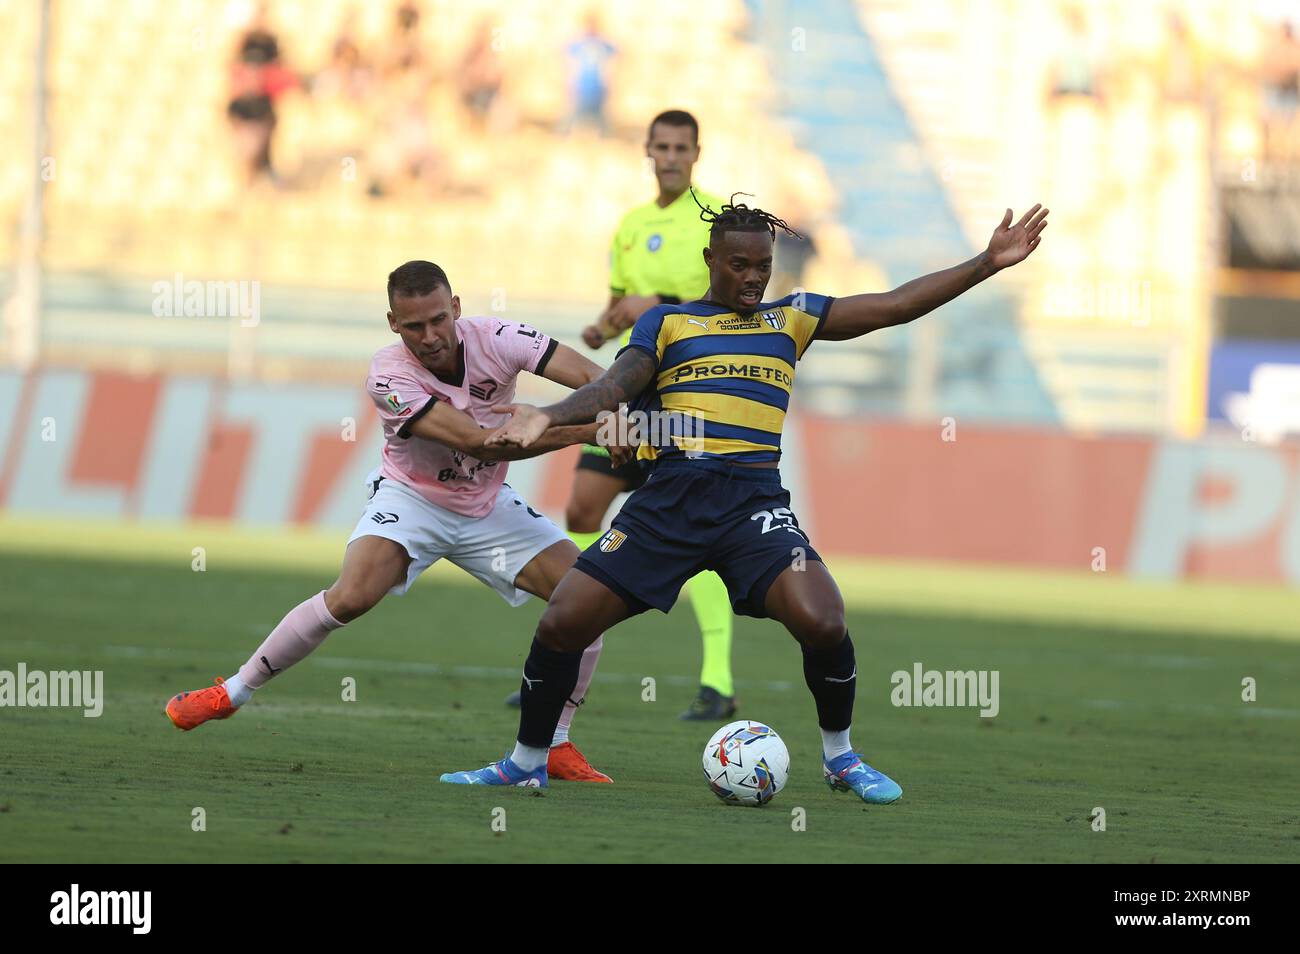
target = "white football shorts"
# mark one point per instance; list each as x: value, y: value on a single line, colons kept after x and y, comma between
x: 493, y: 548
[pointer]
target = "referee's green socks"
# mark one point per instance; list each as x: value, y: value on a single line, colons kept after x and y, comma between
x: 713, y: 612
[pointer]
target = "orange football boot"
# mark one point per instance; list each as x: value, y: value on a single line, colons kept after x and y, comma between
x: 566, y: 762
x: 190, y: 709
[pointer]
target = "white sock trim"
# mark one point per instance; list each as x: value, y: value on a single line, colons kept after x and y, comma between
x: 835, y: 744
x: 528, y: 758
x: 239, y: 692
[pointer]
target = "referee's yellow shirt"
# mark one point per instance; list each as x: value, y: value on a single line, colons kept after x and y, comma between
x: 661, y: 251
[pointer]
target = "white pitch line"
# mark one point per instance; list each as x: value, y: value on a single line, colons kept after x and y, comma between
x: 392, y: 666
x: 1200, y: 708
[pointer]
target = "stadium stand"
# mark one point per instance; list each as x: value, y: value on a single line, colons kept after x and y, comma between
x: 147, y: 186
x: 891, y: 131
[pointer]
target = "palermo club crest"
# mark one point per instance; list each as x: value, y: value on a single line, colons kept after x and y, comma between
x: 775, y: 319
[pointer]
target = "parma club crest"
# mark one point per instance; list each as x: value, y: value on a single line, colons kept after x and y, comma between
x: 612, y: 540
x: 774, y: 319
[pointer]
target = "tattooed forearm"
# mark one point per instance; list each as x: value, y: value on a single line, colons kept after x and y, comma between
x: 626, y: 378
x: 553, y: 438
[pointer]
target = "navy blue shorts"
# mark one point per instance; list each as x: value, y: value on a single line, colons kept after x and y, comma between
x: 693, y: 515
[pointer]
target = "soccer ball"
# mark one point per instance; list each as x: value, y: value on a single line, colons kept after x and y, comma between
x: 746, y: 763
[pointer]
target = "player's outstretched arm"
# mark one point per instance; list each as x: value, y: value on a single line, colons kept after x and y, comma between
x: 457, y: 430
x: 858, y: 315
x: 552, y: 439
x: 626, y: 378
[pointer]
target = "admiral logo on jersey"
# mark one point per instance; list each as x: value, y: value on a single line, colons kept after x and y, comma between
x: 739, y: 323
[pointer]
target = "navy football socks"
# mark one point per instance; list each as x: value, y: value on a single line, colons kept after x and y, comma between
x: 549, y: 680
x: 832, y: 677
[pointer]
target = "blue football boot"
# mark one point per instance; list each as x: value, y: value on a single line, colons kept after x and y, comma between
x: 504, y: 772
x: 848, y: 773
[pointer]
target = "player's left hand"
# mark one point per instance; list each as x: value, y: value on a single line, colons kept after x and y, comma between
x: 620, y: 455
x: 629, y: 308
x: 526, y: 424
x: 1012, y: 244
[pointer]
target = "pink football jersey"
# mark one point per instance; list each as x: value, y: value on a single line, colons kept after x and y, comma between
x: 493, y: 354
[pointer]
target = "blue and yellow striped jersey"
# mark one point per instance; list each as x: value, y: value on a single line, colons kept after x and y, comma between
x: 727, y: 375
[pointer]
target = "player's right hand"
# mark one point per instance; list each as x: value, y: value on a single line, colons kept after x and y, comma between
x: 526, y: 424
x: 592, y: 336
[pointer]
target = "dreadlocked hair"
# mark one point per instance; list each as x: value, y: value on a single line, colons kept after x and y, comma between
x: 738, y: 217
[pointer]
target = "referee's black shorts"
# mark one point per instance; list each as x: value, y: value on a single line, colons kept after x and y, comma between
x: 597, y: 459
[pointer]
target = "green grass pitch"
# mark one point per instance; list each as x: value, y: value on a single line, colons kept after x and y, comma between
x: 1113, y: 694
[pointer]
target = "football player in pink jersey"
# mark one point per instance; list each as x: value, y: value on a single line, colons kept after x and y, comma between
x: 439, y: 491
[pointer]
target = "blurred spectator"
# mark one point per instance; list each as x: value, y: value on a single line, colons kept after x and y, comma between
x: 1280, y: 74
x: 403, y: 152
x: 257, y: 79
x: 342, y: 110
x: 1074, y: 65
x: 404, y: 50
x: 1182, y: 64
x: 480, y: 74
x: 347, y: 75
x: 589, y: 57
